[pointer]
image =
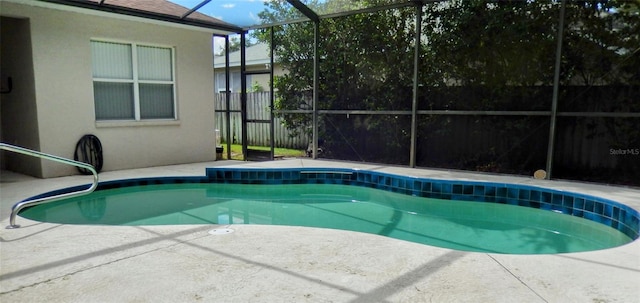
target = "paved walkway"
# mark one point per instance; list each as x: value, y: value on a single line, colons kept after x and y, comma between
x: 43, y: 262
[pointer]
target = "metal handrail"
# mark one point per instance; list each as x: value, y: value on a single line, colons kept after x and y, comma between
x: 20, y: 205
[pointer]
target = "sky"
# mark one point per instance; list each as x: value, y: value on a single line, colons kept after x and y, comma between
x: 238, y: 12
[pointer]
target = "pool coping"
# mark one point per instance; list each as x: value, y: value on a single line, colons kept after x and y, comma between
x: 63, y: 259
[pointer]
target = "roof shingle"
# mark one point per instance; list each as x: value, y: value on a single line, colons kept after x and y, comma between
x: 161, y: 7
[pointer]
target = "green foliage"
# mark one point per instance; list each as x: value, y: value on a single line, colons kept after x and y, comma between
x: 365, y: 64
x: 603, y: 41
x: 256, y: 87
x: 474, y: 55
x: 491, y: 43
x: 234, y: 45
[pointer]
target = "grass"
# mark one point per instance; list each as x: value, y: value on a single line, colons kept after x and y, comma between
x: 236, y: 151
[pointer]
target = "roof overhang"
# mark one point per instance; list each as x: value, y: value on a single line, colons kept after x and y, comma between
x: 124, y: 12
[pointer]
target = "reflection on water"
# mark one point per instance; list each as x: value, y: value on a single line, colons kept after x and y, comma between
x: 470, y: 226
x: 93, y: 209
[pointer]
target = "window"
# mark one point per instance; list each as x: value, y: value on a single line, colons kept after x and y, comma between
x: 235, y: 83
x: 132, y: 82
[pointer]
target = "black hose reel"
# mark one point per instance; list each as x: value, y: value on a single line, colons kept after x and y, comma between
x: 89, y: 150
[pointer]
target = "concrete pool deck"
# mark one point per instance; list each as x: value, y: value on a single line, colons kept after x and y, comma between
x: 44, y: 262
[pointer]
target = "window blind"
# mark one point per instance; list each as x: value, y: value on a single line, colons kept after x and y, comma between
x: 128, y: 89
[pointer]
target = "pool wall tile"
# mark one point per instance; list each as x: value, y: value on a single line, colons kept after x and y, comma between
x: 524, y: 194
x: 598, y: 208
x: 588, y: 205
x: 512, y: 193
x: 534, y: 204
x: 611, y: 213
x: 490, y: 191
x: 535, y: 196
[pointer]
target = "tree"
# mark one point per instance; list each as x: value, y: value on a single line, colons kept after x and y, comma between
x: 365, y: 65
x: 602, y: 73
x: 500, y: 56
x: 493, y: 46
x: 474, y: 55
x: 234, y: 45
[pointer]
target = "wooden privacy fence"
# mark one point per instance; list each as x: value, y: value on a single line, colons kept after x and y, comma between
x: 258, y: 134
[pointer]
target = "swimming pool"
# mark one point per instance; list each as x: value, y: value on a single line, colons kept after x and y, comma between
x: 396, y: 206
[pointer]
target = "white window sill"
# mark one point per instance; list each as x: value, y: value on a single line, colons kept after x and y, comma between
x: 142, y: 123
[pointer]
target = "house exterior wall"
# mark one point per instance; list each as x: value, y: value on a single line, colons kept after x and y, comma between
x: 263, y: 79
x: 259, y: 79
x: 64, y: 91
x: 18, y: 110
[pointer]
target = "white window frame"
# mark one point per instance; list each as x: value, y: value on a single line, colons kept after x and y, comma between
x: 136, y: 82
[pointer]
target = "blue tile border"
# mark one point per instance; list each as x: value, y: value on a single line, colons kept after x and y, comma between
x: 124, y: 183
x: 608, y: 212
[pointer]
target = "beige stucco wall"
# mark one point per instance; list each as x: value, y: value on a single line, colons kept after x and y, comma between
x: 64, y: 91
x: 18, y: 110
x: 263, y: 79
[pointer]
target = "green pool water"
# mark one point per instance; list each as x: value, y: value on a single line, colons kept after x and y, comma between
x: 461, y: 225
